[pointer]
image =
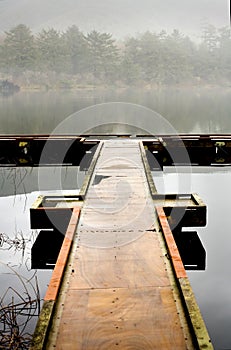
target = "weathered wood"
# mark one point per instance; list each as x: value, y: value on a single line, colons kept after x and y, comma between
x: 120, y: 290
x: 151, y: 183
x: 41, y: 333
x: 137, y: 264
x: 119, y: 294
x: 123, y: 318
x: 186, y: 210
x: 202, y: 339
x: 42, y: 328
x: 58, y: 272
x: 37, y: 203
x: 171, y: 244
x: 87, y: 179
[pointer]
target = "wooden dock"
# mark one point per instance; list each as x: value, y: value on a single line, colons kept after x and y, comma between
x: 119, y: 281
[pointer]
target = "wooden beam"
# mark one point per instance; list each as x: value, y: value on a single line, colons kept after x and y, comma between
x: 60, y: 265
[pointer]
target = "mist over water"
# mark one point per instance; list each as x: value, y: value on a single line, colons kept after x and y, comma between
x: 190, y: 110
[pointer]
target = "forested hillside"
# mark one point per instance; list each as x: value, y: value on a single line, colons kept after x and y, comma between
x: 71, y: 58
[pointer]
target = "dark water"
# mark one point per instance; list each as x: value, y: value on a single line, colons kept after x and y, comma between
x: 185, y: 111
x: 19, y: 282
x: 212, y: 287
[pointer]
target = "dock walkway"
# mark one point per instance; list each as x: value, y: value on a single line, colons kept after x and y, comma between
x: 119, y: 290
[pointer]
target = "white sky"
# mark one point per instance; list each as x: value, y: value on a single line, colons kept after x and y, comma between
x: 119, y: 17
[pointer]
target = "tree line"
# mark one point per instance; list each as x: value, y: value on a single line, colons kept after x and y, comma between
x: 98, y: 58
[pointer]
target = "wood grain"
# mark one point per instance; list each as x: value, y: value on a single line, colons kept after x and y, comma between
x: 137, y: 318
x: 61, y: 262
x: 119, y: 295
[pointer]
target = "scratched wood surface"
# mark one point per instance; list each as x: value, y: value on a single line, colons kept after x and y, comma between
x: 119, y: 295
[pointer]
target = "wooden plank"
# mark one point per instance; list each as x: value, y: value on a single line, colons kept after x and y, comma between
x: 87, y: 179
x: 121, y: 266
x: 147, y: 170
x: 42, y: 328
x: 119, y: 296
x: 57, y: 274
x: 199, y: 330
x: 202, y: 338
x: 171, y: 244
x: 121, y: 318
x: 38, y: 202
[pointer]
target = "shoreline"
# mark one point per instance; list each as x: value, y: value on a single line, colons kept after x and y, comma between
x: 41, y: 88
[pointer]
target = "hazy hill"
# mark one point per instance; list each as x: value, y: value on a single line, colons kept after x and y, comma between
x: 120, y: 17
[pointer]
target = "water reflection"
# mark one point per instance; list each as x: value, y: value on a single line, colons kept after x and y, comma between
x: 212, y: 287
x: 22, y: 288
x: 26, y: 180
x: 189, y: 110
x: 19, y: 308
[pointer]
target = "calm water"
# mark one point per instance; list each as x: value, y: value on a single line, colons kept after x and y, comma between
x: 185, y: 111
x: 212, y: 287
x: 19, y: 190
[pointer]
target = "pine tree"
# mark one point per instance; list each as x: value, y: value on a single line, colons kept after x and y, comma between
x: 77, y: 50
x: 103, y: 56
x: 18, y: 49
x: 52, y: 51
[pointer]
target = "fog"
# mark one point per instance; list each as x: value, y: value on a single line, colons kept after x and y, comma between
x: 60, y: 57
x: 120, y: 17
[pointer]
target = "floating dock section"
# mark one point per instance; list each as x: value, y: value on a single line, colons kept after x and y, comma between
x: 119, y: 281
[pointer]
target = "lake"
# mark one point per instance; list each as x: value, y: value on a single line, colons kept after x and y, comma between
x: 197, y: 110
x: 191, y: 110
